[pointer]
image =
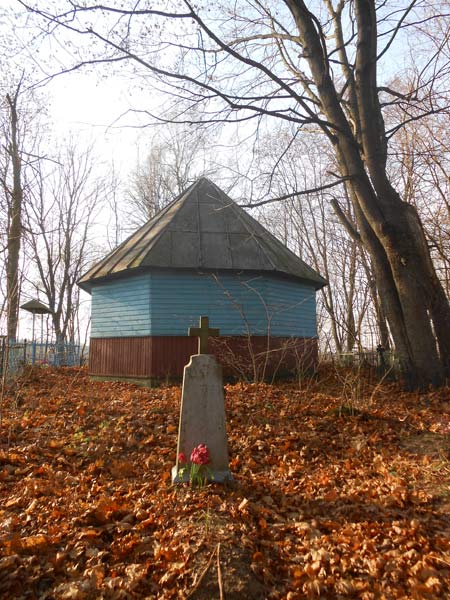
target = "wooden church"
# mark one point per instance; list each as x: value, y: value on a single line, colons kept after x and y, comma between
x: 201, y: 255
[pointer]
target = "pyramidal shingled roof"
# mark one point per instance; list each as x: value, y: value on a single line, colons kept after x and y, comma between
x: 202, y: 229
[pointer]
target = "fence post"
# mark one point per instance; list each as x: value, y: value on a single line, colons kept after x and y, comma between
x: 59, y: 351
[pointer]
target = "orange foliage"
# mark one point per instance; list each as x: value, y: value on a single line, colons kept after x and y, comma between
x: 325, y: 503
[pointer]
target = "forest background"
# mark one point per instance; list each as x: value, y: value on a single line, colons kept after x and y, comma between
x: 102, y: 125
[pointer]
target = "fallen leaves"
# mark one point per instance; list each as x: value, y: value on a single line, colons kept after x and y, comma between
x: 326, y: 503
x: 33, y: 544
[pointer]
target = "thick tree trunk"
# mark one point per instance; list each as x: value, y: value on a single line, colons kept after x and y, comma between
x: 398, y: 257
x: 414, y: 298
x: 403, y: 272
x: 439, y: 309
x: 411, y: 294
x: 439, y: 314
x: 385, y: 284
x: 14, y: 225
x: 396, y: 224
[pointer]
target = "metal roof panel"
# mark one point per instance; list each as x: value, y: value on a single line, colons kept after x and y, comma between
x: 202, y: 229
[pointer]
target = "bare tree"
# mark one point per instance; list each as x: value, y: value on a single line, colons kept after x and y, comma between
x: 11, y: 179
x: 176, y: 157
x: 21, y: 113
x: 60, y: 219
x: 117, y: 213
x: 308, y: 224
x: 315, y: 68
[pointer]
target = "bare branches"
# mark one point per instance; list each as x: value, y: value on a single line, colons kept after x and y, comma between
x: 298, y: 193
x: 71, y: 14
x: 344, y: 219
x: 397, y: 28
x: 255, y: 64
x: 59, y: 217
x: 262, y: 70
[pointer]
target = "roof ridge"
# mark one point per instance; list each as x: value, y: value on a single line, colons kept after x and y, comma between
x: 278, y: 242
x: 240, y: 212
x: 143, y: 230
x: 244, y: 217
x: 161, y: 215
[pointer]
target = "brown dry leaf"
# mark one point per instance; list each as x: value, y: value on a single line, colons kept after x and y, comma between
x: 89, y: 509
x: 243, y: 504
x: 122, y: 468
x: 33, y: 544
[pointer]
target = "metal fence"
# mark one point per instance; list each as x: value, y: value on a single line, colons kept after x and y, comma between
x: 384, y: 359
x: 14, y: 356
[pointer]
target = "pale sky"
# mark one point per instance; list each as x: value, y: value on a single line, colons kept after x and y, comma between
x: 82, y: 104
x: 91, y: 108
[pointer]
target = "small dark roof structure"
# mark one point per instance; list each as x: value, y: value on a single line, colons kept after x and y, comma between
x: 36, y: 307
x: 202, y: 229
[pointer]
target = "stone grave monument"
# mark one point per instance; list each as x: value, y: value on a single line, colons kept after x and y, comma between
x: 202, y: 415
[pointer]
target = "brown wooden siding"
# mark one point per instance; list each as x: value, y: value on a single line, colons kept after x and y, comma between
x: 162, y: 357
x: 258, y: 357
x: 170, y: 355
x: 120, y: 356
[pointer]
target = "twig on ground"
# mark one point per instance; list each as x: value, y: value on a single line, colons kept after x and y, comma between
x: 219, y: 573
x: 203, y: 573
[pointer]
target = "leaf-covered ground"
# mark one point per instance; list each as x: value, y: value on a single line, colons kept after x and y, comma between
x: 328, y: 501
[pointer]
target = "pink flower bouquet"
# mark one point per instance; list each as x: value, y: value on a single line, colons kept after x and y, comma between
x: 197, y: 467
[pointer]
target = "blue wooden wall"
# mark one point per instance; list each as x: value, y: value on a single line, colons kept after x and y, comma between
x: 167, y: 303
x: 121, y: 308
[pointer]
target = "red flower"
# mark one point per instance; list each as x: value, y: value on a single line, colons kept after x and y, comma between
x: 200, y: 455
x: 182, y: 458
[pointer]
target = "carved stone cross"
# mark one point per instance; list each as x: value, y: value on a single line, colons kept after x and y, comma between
x: 203, y: 332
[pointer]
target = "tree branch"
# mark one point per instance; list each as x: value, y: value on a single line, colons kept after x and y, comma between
x: 345, y: 221
x: 314, y: 190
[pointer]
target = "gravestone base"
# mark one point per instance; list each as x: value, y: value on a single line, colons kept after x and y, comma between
x: 213, y: 476
x: 202, y: 418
